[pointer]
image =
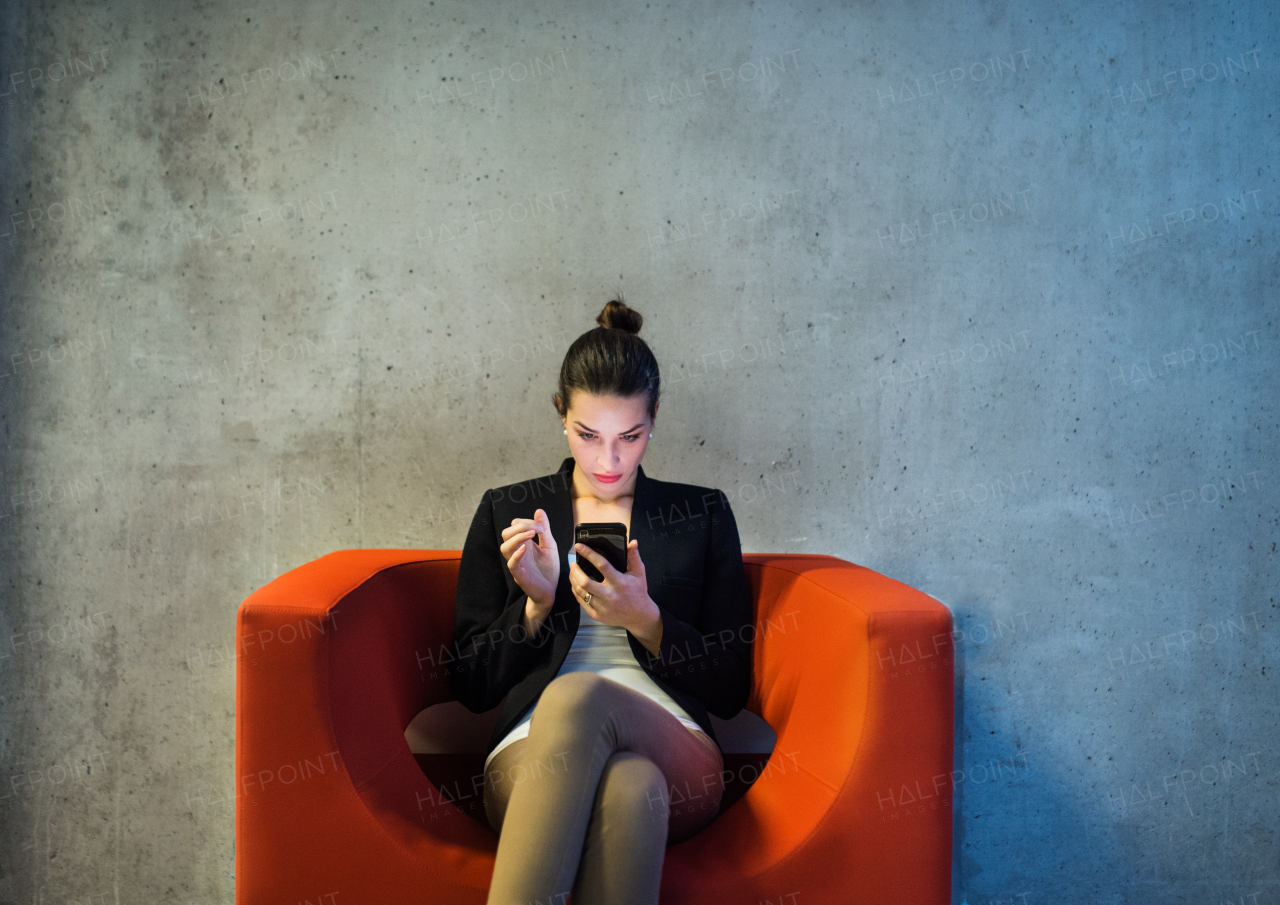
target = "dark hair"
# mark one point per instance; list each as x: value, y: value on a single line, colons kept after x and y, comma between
x: 610, y: 359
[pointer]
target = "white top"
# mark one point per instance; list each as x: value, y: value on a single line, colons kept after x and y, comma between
x: 604, y: 650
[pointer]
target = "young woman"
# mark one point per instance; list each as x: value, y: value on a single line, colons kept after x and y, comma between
x: 603, y: 753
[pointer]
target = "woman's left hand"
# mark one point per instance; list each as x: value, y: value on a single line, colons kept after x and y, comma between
x: 622, y: 598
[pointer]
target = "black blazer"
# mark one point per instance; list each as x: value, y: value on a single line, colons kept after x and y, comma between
x: 689, y: 542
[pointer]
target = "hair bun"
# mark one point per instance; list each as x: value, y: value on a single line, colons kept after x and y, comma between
x: 617, y: 316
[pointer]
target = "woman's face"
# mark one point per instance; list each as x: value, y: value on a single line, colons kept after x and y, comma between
x: 607, y: 436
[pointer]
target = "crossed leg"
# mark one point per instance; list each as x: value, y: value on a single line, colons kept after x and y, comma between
x: 605, y: 780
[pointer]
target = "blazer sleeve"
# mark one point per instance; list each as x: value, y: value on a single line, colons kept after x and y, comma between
x: 492, y: 651
x: 725, y: 629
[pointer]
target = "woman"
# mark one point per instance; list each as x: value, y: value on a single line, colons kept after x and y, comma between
x: 603, y: 753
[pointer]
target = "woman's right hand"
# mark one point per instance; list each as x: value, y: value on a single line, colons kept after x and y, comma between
x: 534, y: 566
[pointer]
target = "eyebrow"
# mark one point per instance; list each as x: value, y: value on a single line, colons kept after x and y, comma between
x: 634, y: 427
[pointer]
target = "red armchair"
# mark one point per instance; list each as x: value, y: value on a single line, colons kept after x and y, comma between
x: 852, y: 670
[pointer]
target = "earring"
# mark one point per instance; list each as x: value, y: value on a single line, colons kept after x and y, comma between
x: 651, y: 436
x: 566, y: 432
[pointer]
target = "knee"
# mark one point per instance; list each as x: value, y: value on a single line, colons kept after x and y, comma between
x: 634, y: 788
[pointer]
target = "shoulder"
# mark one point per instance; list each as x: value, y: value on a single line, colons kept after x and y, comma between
x: 679, y: 490
x: 683, y: 491
x: 676, y: 503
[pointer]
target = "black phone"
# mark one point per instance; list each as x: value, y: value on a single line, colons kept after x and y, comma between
x: 609, y: 539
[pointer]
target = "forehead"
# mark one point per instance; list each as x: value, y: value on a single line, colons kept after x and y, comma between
x: 607, y: 407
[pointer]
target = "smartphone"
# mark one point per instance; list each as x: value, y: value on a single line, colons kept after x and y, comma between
x: 609, y: 539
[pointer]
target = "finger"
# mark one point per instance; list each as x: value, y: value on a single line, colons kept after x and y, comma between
x: 547, y: 539
x: 583, y: 582
x: 523, y: 524
x: 596, y: 599
x: 594, y: 558
x: 512, y: 542
x: 515, y: 558
x: 513, y: 535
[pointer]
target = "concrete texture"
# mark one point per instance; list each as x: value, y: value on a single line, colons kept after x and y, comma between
x: 980, y: 297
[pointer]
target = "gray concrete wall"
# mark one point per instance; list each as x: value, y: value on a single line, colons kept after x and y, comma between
x: 980, y: 297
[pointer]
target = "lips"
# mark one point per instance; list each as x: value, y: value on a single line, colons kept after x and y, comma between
x: 606, y: 478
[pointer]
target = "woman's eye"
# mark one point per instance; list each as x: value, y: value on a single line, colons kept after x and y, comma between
x: 627, y: 437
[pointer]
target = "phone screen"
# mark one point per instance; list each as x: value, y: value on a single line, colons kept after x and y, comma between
x: 609, y: 539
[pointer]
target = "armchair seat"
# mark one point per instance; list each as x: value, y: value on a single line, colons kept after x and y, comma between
x: 851, y: 669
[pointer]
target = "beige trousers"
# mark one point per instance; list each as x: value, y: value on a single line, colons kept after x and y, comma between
x: 589, y: 800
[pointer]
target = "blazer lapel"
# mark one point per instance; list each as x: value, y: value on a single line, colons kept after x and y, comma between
x: 560, y: 512
x: 642, y: 505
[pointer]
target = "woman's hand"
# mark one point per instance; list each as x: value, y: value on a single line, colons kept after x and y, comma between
x: 622, y: 598
x: 534, y: 566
